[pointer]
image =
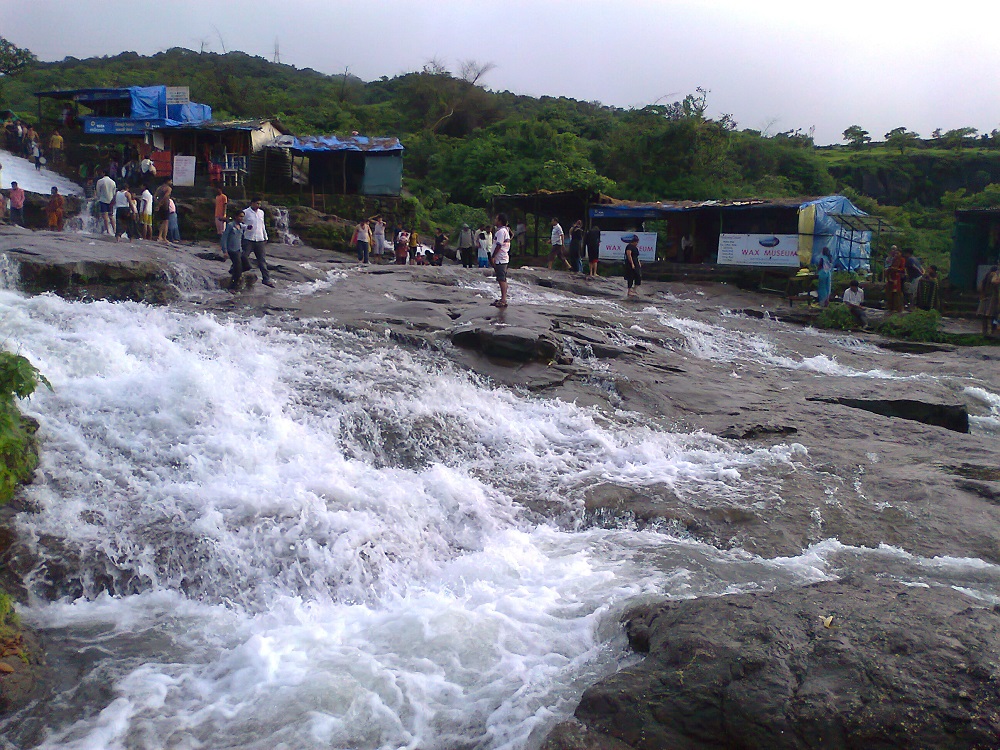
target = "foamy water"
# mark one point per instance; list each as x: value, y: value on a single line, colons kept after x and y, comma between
x: 720, y: 344
x: 22, y: 171
x: 989, y: 422
x: 273, y: 535
x: 294, y: 535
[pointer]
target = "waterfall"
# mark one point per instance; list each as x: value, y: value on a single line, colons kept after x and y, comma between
x: 281, y: 229
x: 85, y: 222
x: 10, y: 272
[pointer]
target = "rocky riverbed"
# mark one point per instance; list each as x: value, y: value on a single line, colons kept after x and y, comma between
x: 877, y: 459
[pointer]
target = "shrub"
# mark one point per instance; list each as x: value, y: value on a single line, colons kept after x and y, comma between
x: 18, y: 458
x: 836, y: 316
x: 919, y: 325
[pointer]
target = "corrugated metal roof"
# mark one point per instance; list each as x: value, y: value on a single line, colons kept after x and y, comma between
x: 103, y: 94
x: 335, y: 143
x: 221, y: 125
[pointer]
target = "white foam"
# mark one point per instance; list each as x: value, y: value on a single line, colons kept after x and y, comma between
x: 295, y: 535
x: 22, y: 171
x: 719, y: 344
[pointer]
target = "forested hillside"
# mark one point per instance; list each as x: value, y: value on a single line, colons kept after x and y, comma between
x: 465, y: 143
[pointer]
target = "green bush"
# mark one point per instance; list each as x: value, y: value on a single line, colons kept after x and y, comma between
x: 18, y: 457
x: 836, y: 316
x: 919, y: 325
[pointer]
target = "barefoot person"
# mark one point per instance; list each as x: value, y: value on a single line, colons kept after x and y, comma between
x: 55, y: 210
x: 501, y: 256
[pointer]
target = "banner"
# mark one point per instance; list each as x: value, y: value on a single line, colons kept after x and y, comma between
x: 184, y: 170
x: 115, y: 125
x: 759, y: 250
x: 613, y: 246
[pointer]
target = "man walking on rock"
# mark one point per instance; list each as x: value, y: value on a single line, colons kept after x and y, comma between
x: 17, y: 197
x: 558, y: 244
x: 105, y: 193
x: 254, y: 238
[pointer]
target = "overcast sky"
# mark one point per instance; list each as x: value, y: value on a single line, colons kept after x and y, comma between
x: 773, y: 65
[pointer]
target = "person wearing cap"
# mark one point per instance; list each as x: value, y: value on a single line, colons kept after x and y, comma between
x: 467, y: 247
x: 633, y: 268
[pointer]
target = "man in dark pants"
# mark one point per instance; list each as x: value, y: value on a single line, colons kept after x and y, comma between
x: 254, y: 239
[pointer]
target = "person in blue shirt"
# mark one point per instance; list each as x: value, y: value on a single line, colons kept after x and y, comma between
x: 232, y: 243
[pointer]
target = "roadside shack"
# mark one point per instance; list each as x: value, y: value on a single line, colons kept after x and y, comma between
x: 329, y: 164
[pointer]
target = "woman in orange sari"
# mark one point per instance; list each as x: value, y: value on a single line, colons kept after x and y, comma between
x: 55, y: 210
x: 895, y: 272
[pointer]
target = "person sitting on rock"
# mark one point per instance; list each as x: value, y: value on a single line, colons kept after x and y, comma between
x: 854, y: 299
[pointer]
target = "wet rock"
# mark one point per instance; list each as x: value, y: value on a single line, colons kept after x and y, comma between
x: 21, y: 669
x: 953, y: 417
x: 914, y: 347
x: 509, y: 343
x: 757, y: 432
x: 572, y: 735
x: 841, y: 664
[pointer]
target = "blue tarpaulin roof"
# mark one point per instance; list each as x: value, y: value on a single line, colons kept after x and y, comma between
x: 335, y: 143
x: 149, y: 103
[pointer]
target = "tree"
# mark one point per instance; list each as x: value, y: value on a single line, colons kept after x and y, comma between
x: 901, y: 138
x: 857, y: 137
x: 14, y: 59
x: 959, y: 137
x: 471, y: 70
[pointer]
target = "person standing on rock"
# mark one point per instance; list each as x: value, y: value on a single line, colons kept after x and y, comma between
x: 521, y: 236
x: 232, y: 245
x: 576, y: 236
x: 221, y: 203
x: 500, y: 257
x: 55, y: 210
x: 824, y: 269
x: 466, y: 243
x: 56, y: 145
x: 378, y: 238
x: 989, y: 300
x: 895, y: 272
x: 594, y: 248
x: 105, y: 190
x: 363, y: 240
x: 633, y: 267
x: 146, y: 212
x: 16, y: 196
x: 161, y: 201
x: 558, y: 240
x: 255, y: 237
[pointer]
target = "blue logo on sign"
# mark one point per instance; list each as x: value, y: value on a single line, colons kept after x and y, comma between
x: 769, y: 242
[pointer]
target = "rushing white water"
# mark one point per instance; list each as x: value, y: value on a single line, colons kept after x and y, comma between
x: 22, y: 171
x: 720, y: 344
x: 988, y: 423
x: 281, y: 227
x: 247, y: 536
x: 85, y: 222
x: 259, y: 535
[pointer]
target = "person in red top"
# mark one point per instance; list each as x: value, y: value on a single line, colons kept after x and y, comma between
x: 221, y: 201
x: 16, y: 196
x: 895, y: 271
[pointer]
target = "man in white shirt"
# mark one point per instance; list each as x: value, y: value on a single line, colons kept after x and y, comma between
x: 254, y: 237
x: 854, y: 298
x: 105, y: 192
x: 500, y: 257
x: 558, y: 244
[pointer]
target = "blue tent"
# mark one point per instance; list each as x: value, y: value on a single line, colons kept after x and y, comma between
x: 851, y: 250
x: 150, y: 103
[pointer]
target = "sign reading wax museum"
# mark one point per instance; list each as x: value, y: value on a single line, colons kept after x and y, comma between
x: 613, y: 246
x: 759, y: 250
x: 178, y: 95
x: 184, y: 171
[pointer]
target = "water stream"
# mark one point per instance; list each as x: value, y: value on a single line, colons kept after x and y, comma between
x: 258, y: 535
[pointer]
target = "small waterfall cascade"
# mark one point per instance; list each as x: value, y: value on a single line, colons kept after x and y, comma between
x: 281, y: 226
x: 86, y: 221
x: 10, y: 272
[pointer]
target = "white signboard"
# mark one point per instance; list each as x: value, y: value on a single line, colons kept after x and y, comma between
x: 759, y: 250
x: 178, y: 94
x: 613, y: 245
x: 184, y: 171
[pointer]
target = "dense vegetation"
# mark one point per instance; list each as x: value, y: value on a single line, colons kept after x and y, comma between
x: 466, y: 143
